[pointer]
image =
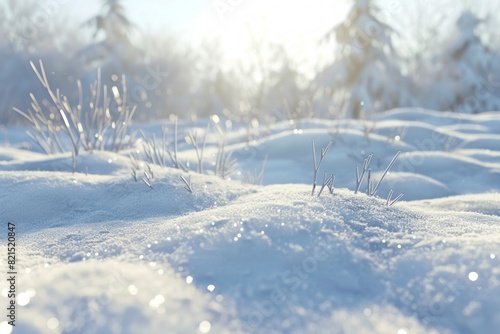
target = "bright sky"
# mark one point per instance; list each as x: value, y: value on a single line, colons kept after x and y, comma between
x: 205, y: 16
x: 298, y: 23
x: 228, y: 19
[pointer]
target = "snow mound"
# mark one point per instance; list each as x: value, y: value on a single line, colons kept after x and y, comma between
x: 488, y: 204
x: 100, y: 252
x: 273, y: 260
x: 112, y: 296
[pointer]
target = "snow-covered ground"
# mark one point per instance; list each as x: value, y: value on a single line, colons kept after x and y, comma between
x: 100, y: 253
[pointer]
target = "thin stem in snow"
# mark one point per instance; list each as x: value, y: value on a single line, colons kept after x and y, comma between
x: 193, y: 137
x: 359, y: 178
x: 317, y: 165
x: 391, y: 201
x: 389, y: 197
x: 372, y: 193
x: 327, y: 183
x: 150, y: 171
x: 148, y: 180
x: 369, y: 182
x: 188, y: 186
x: 330, y: 185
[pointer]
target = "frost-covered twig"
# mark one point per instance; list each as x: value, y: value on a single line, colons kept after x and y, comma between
x: 150, y: 171
x: 327, y: 183
x: 330, y: 185
x: 193, y: 137
x: 135, y: 166
x: 148, y: 180
x: 67, y: 128
x: 156, y: 152
x: 187, y: 183
x: 370, y: 184
x: 359, y: 178
x: 373, y: 191
x: 317, y: 165
x: 391, y: 201
x: 224, y: 165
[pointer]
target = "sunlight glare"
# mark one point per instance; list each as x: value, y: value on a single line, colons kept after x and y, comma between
x: 297, y: 24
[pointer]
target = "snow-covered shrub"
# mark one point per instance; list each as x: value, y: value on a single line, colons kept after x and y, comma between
x: 98, y: 122
x: 465, y: 76
x: 32, y: 27
x: 365, y: 76
x: 26, y: 33
x: 162, y: 76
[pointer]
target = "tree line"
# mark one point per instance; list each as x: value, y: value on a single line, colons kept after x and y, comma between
x: 369, y: 67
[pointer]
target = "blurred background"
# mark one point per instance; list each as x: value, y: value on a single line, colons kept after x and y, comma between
x: 254, y: 61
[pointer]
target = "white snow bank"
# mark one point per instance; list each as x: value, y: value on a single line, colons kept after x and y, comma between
x: 116, y: 296
x: 100, y: 253
x: 274, y: 260
x: 488, y: 203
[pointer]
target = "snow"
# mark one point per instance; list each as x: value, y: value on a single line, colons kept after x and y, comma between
x: 462, y: 77
x: 364, y: 68
x: 100, y: 253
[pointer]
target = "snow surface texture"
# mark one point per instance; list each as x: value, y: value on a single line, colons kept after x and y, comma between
x: 100, y: 253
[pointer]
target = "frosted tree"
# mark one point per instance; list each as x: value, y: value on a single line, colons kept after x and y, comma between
x: 365, y: 76
x: 116, y: 56
x: 111, y: 33
x: 288, y: 96
x: 466, y: 75
x: 30, y: 30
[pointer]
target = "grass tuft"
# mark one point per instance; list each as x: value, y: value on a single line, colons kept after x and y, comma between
x: 317, y: 165
x: 102, y: 123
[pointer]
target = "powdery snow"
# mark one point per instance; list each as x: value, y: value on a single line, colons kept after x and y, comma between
x: 100, y: 253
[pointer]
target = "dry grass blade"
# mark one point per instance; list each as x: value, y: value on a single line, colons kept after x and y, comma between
x: 317, y: 165
x: 56, y: 121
